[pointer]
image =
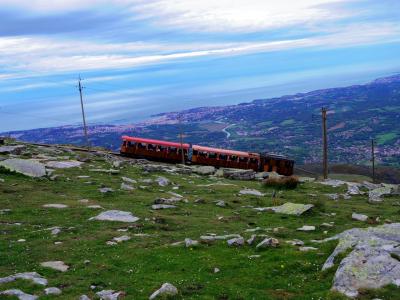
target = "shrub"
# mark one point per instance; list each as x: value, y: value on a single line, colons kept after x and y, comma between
x: 289, y: 182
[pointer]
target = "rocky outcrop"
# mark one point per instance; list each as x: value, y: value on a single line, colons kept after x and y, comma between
x: 26, y: 167
x: 237, y: 174
x: 288, y: 208
x: 116, y: 215
x: 373, y: 262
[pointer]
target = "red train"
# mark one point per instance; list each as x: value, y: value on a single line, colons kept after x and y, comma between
x: 200, y: 155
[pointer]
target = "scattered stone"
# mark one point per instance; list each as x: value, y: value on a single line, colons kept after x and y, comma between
x: 251, y: 192
x: 353, y: 189
x: 166, y: 290
x: 121, y: 239
x: 117, y: 163
x: 254, y: 229
x: 172, y: 200
x: 306, y: 228
x: 21, y: 240
x: 204, y: 170
x: 55, y: 205
x: 237, y: 174
x: 110, y: 171
x: 333, y: 182
x: 83, y: 201
x: 254, y: 256
x: 303, y: 179
x: 83, y: 177
x: 109, y: 295
x: 26, y: 167
x: 106, y: 190
x: 190, y: 243
x: 162, y: 206
x: 221, y: 203
x: 55, y: 230
x: 126, y: 187
x: 251, y: 240
x: 128, y: 180
x: 83, y: 297
x: 116, y: 215
x: 306, y: 249
x: 237, y: 242
x: 268, y: 242
x: 346, y: 196
x: 288, y: 208
x: 1, y: 180
x: 329, y: 225
x: 212, y: 238
x: 32, y: 276
x: 19, y: 294
x: 370, y: 265
x: 376, y: 194
x: 52, y: 291
x: 359, y: 217
x: 295, y: 242
x: 333, y: 196
x: 57, y: 265
x: 95, y: 206
x: 162, y: 181
x: 63, y: 164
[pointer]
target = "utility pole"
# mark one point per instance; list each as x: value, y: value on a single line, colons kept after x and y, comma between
x: 83, y: 113
x: 181, y: 137
x: 324, y: 142
x: 373, y: 159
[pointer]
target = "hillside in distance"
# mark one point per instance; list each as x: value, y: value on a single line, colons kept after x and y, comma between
x: 288, y: 125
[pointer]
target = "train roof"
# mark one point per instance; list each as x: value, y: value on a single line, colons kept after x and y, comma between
x: 224, y: 151
x: 157, y: 142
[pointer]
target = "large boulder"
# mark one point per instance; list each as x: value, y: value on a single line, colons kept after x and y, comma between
x: 116, y: 215
x: 26, y: 167
x: 371, y: 264
x: 376, y: 194
x: 66, y: 164
x: 204, y: 170
x: 17, y: 150
x: 238, y: 174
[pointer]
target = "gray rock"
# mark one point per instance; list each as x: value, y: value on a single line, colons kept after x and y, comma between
x: 306, y: 249
x: 333, y: 196
x: 252, y: 239
x: 109, y: 295
x: 204, y: 170
x: 306, y: 228
x: 220, y: 203
x: 83, y: 297
x: 121, y: 239
x: 288, y: 208
x: 171, y: 200
x: 26, y: 167
x: 19, y: 294
x: 166, y: 290
x: 353, y: 189
x: 237, y: 242
x: 126, y: 187
x: 303, y: 179
x: 333, y: 182
x: 252, y: 192
x: 162, y: 181
x: 128, y: 180
x: 106, y: 190
x: 116, y: 215
x: 190, y: 243
x: 109, y: 171
x: 162, y: 206
x: 31, y: 276
x: 359, y: 217
x: 268, y: 242
x: 57, y: 265
x: 55, y: 205
x: 238, y: 174
x: 17, y: 150
x: 370, y: 264
x: 295, y: 242
x: 212, y: 238
x: 376, y: 194
x: 63, y: 164
x: 52, y: 291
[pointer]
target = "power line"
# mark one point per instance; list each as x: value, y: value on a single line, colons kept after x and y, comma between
x: 83, y: 113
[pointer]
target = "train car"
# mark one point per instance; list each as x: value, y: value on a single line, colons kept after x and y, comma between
x: 225, y: 158
x: 201, y: 155
x: 154, y: 149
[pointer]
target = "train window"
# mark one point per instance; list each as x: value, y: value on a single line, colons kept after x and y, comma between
x: 203, y: 154
x: 124, y: 144
x: 223, y: 157
x: 162, y: 148
x: 233, y: 158
x: 172, y: 149
x: 151, y: 147
x: 142, y: 145
x: 212, y: 155
x: 129, y: 144
x: 243, y: 159
x: 253, y: 160
x: 195, y: 152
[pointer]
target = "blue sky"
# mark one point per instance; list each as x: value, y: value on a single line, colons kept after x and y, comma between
x: 138, y: 57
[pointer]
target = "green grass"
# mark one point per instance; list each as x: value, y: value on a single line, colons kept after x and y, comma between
x: 140, y: 265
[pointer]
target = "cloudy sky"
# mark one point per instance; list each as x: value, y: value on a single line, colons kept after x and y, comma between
x: 140, y: 57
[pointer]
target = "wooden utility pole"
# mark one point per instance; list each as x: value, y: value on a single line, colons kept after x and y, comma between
x: 83, y: 114
x: 181, y: 137
x: 373, y: 159
x: 324, y: 142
